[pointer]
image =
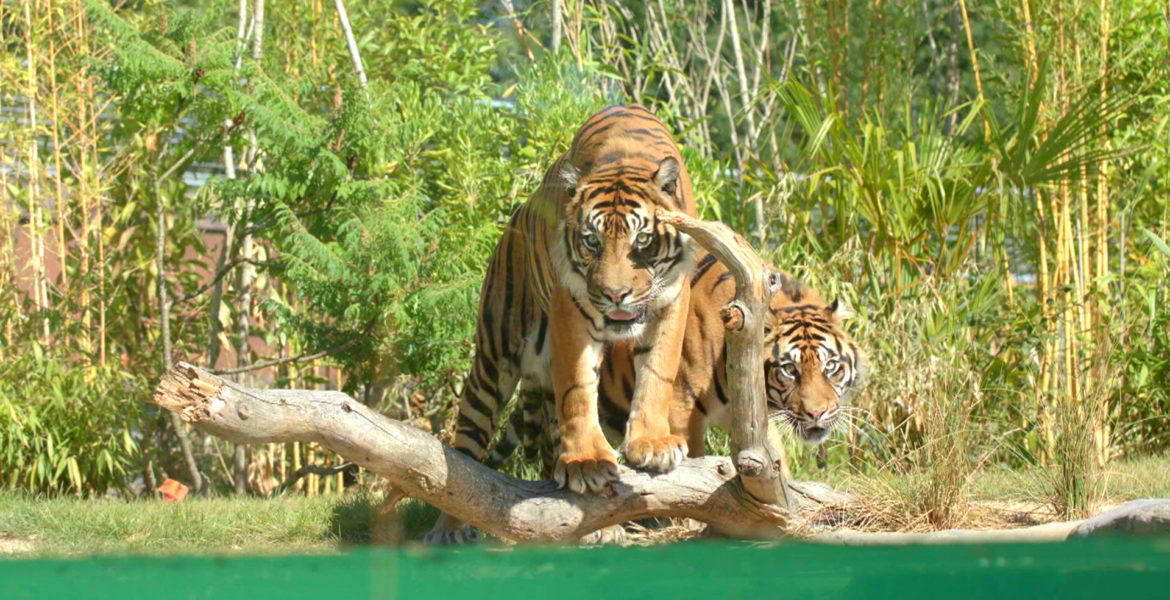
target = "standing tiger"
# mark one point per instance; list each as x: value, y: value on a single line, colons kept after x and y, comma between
x: 582, y: 265
x: 810, y: 368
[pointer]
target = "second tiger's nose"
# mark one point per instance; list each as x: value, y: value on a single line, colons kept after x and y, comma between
x: 616, y: 294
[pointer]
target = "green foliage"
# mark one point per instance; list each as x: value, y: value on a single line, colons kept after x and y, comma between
x: 64, y: 427
x: 880, y: 176
x: 441, y: 45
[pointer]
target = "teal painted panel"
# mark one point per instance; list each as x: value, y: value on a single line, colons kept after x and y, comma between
x: 1099, y: 569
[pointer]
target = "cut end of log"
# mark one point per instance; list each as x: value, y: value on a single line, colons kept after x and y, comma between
x: 749, y: 463
x: 732, y: 316
x: 189, y: 391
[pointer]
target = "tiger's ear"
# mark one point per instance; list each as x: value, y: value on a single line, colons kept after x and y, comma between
x: 667, y: 175
x: 838, y: 311
x: 569, y: 176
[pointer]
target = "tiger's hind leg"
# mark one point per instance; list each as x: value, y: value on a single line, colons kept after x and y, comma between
x: 479, y: 408
x: 607, y: 536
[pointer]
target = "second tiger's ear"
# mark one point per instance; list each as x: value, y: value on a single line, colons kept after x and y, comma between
x: 569, y: 176
x: 667, y: 175
x: 837, y: 311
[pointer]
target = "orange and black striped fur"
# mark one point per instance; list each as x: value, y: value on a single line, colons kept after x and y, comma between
x: 583, y: 265
x: 811, y: 367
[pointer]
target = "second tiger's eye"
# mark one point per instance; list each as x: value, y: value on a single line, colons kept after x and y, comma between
x: 642, y: 239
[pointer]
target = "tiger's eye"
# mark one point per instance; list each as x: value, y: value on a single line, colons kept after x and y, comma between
x: 642, y: 239
x: 590, y: 240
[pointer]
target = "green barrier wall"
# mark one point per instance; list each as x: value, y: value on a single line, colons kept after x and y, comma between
x: 1103, y: 569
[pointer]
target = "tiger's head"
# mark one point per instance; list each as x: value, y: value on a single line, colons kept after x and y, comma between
x: 627, y: 264
x: 811, y: 366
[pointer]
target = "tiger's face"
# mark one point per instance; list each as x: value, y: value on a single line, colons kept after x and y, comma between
x: 628, y: 266
x: 811, y: 368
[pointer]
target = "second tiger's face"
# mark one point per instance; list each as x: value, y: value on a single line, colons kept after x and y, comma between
x: 810, y: 369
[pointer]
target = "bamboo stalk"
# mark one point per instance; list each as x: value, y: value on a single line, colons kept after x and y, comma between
x: 974, y: 68
x: 556, y: 16
x: 98, y: 206
x: 36, y: 226
x: 510, y: 10
x: 1102, y: 221
x: 1047, y: 344
x: 229, y: 167
x: 59, y: 204
x: 300, y: 484
x: 1029, y: 41
x: 311, y: 459
x: 8, y: 267
x: 83, y: 191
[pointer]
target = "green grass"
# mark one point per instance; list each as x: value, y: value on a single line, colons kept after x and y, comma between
x: 63, y: 526
x: 68, y: 526
x: 1147, y: 477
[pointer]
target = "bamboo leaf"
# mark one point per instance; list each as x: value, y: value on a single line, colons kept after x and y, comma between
x: 1157, y: 242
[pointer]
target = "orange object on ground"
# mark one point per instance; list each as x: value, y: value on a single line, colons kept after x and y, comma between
x: 172, y: 490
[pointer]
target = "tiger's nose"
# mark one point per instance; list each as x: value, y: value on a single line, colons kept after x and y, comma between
x: 617, y: 294
x: 814, y: 415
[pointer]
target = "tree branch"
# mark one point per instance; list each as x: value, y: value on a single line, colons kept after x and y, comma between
x: 744, y: 317
x: 298, y: 358
x: 220, y: 274
x: 420, y: 466
x: 350, y: 43
x: 311, y: 470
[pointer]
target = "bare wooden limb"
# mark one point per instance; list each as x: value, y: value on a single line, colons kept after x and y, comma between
x: 420, y: 466
x: 164, y: 317
x: 756, y: 460
x: 350, y: 43
x: 311, y: 470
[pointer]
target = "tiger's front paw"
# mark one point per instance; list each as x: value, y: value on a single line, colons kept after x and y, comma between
x: 591, y: 470
x: 660, y: 454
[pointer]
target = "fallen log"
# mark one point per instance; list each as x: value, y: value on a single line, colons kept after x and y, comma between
x: 420, y: 466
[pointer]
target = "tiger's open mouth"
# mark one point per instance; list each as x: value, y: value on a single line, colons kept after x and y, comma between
x: 621, y: 318
x: 814, y: 434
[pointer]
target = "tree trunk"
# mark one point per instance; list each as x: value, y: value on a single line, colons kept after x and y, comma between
x: 164, y: 316
x: 247, y: 271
